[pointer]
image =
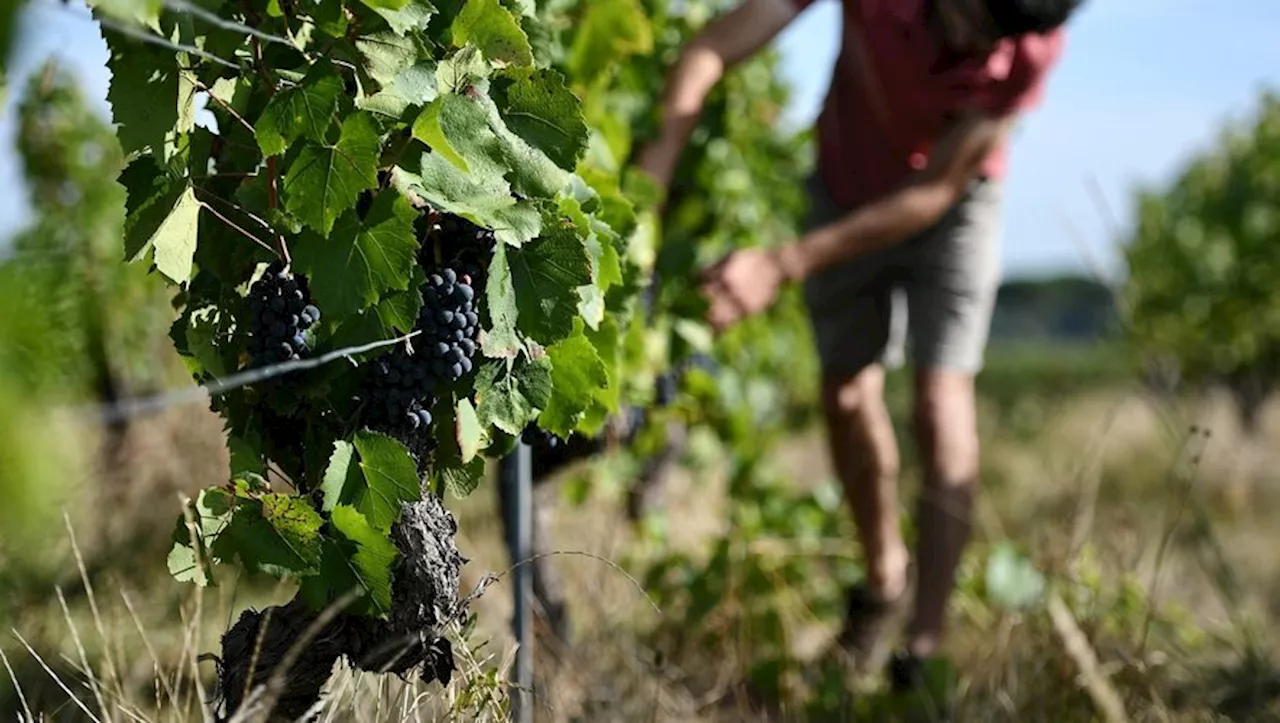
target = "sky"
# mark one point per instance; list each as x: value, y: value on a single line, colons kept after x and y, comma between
x: 1141, y: 86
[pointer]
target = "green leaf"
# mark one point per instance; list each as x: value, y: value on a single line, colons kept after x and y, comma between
x: 325, y: 181
x: 149, y: 100
x: 545, y: 275
x: 452, y: 115
x: 210, y: 514
x: 171, y: 241
x: 357, y: 556
x: 507, y: 399
x: 470, y: 134
x: 1012, y: 581
x: 537, y: 107
x: 576, y: 373
x: 608, y: 32
x: 340, y: 475
x: 461, y: 70
x: 481, y: 198
x: 462, y: 480
x: 500, y: 340
x: 387, y: 55
x: 208, y: 330
x: 415, y: 85
x: 410, y: 15
x: 470, y: 434
x: 494, y: 30
x: 304, y: 110
x: 361, y: 260
x: 386, y: 478
x: 275, y: 534
x: 385, y: 4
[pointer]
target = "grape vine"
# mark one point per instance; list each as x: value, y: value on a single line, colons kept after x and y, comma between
x: 410, y: 170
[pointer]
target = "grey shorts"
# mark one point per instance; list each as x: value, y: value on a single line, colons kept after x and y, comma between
x: 934, y: 292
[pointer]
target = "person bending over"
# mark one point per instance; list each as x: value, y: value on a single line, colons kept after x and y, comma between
x: 906, y: 197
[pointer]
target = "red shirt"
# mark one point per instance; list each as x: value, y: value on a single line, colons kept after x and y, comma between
x: 870, y: 139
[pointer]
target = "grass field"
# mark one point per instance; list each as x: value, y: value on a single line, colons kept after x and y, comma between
x: 1157, y: 543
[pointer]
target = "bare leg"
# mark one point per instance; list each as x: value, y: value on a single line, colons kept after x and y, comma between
x: 860, y: 434
x: 947, y: 435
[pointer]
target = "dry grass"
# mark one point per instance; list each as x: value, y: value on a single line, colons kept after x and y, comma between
x: 1092, y: 489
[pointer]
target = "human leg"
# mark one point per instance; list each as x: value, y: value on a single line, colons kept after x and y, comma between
x: 851, y: 311
x: 951, y: 289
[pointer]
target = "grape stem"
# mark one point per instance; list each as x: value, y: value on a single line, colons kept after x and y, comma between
x: 257, y: 219
x: 236, y: 226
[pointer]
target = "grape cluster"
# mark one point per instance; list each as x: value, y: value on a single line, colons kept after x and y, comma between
x: 463, y: 245
x: 539, y: 438
x: 280, y: 313
x: 449, y: 324
x: 400, y: 388
x: 399, y: 392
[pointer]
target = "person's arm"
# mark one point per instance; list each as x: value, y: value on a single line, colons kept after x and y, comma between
x: 725, y: 41
x: 747, y: 280
x: 921, y: 202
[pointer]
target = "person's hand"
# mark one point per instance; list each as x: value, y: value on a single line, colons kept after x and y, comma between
x: 741, y: 284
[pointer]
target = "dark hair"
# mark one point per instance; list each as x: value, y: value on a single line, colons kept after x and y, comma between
x: 1018, y: 17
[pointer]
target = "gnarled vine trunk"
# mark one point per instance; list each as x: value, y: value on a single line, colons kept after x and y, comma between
x: 300, y: 645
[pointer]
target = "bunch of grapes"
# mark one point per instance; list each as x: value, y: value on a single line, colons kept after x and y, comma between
x: 463, y: 245
x: 280, y: 312
x: 539, y: 438
x: 449, y: 325
x: 399, y: 392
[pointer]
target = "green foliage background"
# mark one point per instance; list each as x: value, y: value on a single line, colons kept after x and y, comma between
x: 1203, y: 264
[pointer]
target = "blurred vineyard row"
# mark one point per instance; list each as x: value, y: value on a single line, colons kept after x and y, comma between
x: 751, y: 550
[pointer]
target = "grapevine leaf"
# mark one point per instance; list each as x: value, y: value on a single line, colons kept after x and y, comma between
x: 387, y: 55
x: 463, y: 480
x: 396, y: 314
x: 362, y: 259
x: 357, y: 556
x: 324, y: 181
x: 296, y: 522
x: 210, y: 514
x: 537, y: 107
x: 451, y: 115
x: 389, y: 479
x: 470, y: 134
x: 207, y: 335
x: 501, y: 339
x: 545, y: 275
x: 448, y: 470
x: 609, y: 31
x: 576, y: 372
x: 142, y: 12
x: 462, y: 70
x: 305, y: 109
x: 148, y: 100
x: 507, y: 398
x: 399, y: 311
x: 494, y: 30
x: 340, y: 475
x: 607, y: 339
x: 275, y: 534
x: 172, y: 241
x: 482, y: 198
x: 385, y: 4
x: 470, y: 433
x: 410, y: 15
x: 415, y: 85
